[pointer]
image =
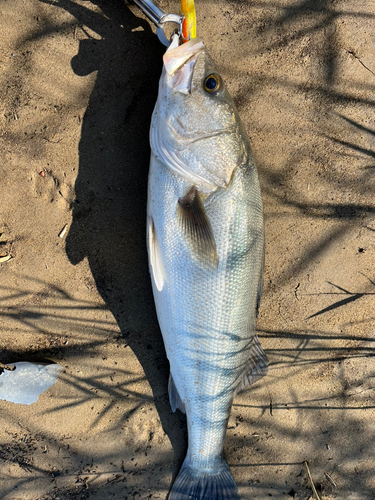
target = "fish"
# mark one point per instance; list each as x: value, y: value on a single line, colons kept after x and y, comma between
x: 205, y: 241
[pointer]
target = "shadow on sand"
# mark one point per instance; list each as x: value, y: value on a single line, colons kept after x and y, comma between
x: 111, y: 188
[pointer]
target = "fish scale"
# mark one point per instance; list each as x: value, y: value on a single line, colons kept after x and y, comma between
x: 206, y: 293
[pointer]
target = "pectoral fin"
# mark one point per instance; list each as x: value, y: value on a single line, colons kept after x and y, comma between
x: 174, y: 397
x: 156, y: 263
x: 256, y: 366
x: 197, y: 228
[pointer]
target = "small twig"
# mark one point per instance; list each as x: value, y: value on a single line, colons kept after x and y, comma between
x: 5, y: 258
x: 63, y: 231
x: 330, y: 479
x: 352, y: 53
x: 306, y: 465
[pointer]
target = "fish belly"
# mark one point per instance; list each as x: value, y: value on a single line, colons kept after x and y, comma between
x: 207, y: 315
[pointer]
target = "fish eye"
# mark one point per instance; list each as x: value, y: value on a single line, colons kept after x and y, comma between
x: 212, y: 83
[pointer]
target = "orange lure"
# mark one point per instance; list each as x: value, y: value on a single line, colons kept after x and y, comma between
x: 189, y: 29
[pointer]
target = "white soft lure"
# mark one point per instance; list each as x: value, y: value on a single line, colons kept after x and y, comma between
x: 27, y: 382
x: 206, y: 251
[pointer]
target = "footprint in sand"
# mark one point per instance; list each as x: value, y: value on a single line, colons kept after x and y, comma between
x: 50, y: 188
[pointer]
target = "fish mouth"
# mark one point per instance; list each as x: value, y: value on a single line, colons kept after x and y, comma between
x: 179, y: 62
x: 177, y: 55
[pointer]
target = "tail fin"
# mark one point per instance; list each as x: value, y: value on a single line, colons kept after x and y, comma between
x: 194, y: 485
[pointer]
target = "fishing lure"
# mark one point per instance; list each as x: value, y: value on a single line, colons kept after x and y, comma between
x: 189, y: 24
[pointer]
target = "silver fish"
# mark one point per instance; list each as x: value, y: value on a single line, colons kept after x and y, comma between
x: 206, y: 249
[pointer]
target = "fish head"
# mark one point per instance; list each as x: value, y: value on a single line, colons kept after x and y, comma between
x: 196, y: 129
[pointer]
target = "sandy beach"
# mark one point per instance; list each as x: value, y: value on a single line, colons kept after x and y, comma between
x: 79, y: 81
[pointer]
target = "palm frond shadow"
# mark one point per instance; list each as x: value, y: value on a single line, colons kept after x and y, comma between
x: 351, y: 297
x: 352, y: 146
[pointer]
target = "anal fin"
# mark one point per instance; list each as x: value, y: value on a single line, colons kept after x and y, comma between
x: 197, y: 228
x: 174, y: 397
x: 256, y: 366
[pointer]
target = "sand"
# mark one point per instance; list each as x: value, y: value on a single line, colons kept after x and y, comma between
x: 78, y: 85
